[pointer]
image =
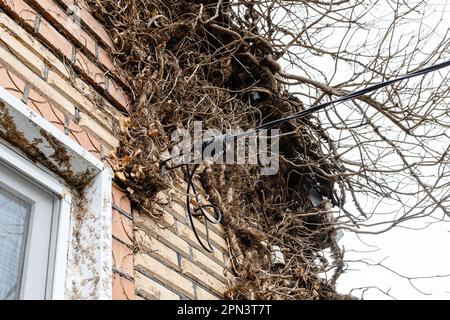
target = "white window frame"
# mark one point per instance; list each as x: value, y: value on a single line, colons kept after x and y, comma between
x: 73, y: 278
x: 14, y: 161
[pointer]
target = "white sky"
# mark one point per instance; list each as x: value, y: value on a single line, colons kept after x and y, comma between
x: 412, y: 253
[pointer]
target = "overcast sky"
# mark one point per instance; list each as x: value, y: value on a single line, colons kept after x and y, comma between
x: 411, y: 253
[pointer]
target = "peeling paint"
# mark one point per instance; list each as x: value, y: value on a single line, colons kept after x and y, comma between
x: 10, y: 133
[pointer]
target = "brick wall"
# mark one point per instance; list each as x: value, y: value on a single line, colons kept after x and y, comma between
x: 169, y: 262
x: 67, y: 76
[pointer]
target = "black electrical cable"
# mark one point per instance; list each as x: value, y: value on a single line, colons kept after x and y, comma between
x: 322, y: 106
x: 352, y: 95
x: 269, y: 125
x: 217, y: 220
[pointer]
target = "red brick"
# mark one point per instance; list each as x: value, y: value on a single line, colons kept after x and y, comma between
x: 42, y: 106
x: 19, y: 9
x: 23, y: 12
x: 120, y: 199
x: 61, y: 19
x: 48, y: 34
x: 91, y: 144
x: 94, y: 74
x: 122, y: 228
x: 55, y: 40
x: 85, y: 139
x: 122, y: 289
x: 122, y: 258
x: 53, y: 13
x: 95, y: 26
x: 118, y: 96
x: 38, y: 102
x: 105, y: 59
x: 12, y: 83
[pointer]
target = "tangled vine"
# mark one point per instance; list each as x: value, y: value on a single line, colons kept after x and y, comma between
x: 217, y: 61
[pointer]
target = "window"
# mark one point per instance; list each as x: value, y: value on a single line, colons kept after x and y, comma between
x: 26, y: 216
x: 42, y: 236
x: 29, y: 214
x: 14, y: 217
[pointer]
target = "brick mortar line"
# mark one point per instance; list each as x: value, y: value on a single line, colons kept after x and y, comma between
x: 185, y: 275
x: 180, y: 256
x: 123, y: 212
x: 151, y: 254
x: 185, y: 222
x: 167, y: 209
x: 123, y: 275
x: 53, y: 96
x: 40, y: 50
x: 56, y: 86
x: 161, y: 283
x: 194, y: 285
x: 148, y: 231
x: 213, y: 274
x: 31, y: 29
x: 122, y: 242
x: 62, y: 30
x: 209, y: 274
x: 180, y: 202
x: 99, y: 44
x: 198, y: 246
x: 209, y: 290
x: 194, y: 282
x: 69, y: 38
x: 163, y: 262
x: 140, y: 296
x: 87, y: 28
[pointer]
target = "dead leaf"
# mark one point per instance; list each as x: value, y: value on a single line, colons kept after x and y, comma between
x: 154, y: 133
x: 137, y: 152
x: 120, y: 176
x: 124, y: 124
x: 126, y: 160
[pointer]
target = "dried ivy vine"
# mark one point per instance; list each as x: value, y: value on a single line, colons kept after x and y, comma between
x: 187, y: 61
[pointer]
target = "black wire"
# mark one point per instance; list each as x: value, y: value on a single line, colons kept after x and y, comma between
x: 322, y: 106
x: 190, y: 185
x: 269, y: 125
x: 352, y: 95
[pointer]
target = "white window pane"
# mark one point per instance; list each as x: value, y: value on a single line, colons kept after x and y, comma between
x: 14, y: 216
